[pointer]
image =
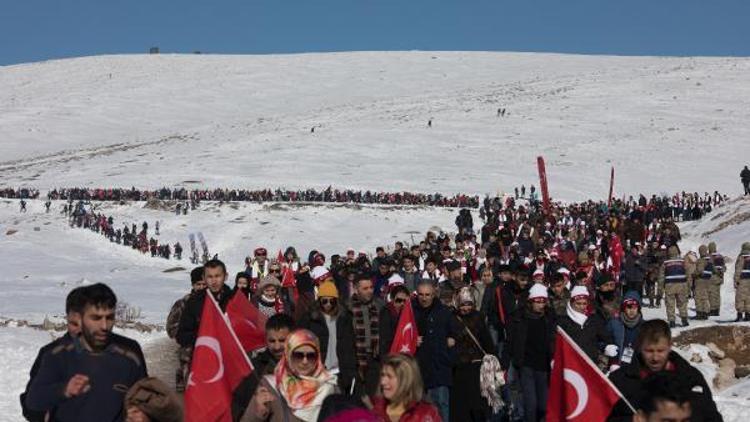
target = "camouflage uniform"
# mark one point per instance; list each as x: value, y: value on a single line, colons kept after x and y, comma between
x: 654, y: 286
x: 674, y: 275
x: 742, y: 282
x: 183, y: 353
x: 714, y: 293
x: 702, y: 281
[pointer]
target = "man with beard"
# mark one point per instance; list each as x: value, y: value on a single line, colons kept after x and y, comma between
x: 86, y: 377
x: 277, y: 328
x: 73, y: 316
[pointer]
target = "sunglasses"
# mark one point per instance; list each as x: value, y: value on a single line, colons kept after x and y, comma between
x: 399, y: 300
x: 274, y: 270
x: 261, y: 254
x: 327, y: 300
x: 309, y: 356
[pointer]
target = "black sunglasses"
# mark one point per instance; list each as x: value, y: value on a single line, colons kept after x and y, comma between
x: 327, y: 300
x: 274, y: 270
x: 300, y: 356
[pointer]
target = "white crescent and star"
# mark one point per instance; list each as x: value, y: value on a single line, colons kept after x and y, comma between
x: 579, y: 384
x: 213, y: 344
x: 408, y: 327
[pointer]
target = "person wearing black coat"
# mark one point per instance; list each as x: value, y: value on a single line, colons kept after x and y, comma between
x: 655, y: 356
x: 530, y: 349
x: 325, y: 313
x: 215, y: 275
x: 436, y: 354
x: 472, y: 342
x: 635, y: 267
x: 389, y: 317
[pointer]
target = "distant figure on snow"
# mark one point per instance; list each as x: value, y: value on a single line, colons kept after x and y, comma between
x: 429, y: 123
x: 23, y: 206
x: 745, y: 178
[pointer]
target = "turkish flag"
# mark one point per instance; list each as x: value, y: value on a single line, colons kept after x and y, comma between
x: 247, y: 321
x: 405, y: 340
x: 218, y: 366
x: 280, y: 257
x: 578, y: 390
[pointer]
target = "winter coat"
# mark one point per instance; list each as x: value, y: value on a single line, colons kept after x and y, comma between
x: 191, y: 315
x: 629, y: 380
x: 634, y: 269
x: 591, y: 338
x: 175, y: 313
x: 315, y: 322
x: 518, y: 335
x: 622, y: 335
x: 33, y: 415
x: 156, y: 399
x: 435, y: 325
x: 415, y: 412
x: 279, y: 409
x: 119, y: 366
x: 466, y: 349
x: 511, y: 298
x: 263, y: 364
x: 388, y: 322
x: 346, y: 350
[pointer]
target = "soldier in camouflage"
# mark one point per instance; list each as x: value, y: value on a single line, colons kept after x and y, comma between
x: 742, y: 283
x: 173, y: 324
x: 714, y: 294
x: 674, y: 276
x: 702, y: 280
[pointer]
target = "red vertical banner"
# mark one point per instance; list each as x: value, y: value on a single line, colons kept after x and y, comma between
x: 611, y: 187
x: 543, y: 182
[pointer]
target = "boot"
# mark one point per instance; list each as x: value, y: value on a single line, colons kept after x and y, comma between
x: 747, y: 316
x: 714, y: 312
x: 685, y: 322
x: 699, y: 316
x: 672, y: 324
x: 739, y: 317
x: 658, y: 302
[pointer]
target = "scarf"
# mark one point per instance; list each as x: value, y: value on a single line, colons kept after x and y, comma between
x: 577, y: 317
x: 630, y: 323
x: 303, y: 394
x: 365, y: 348
x: 270, y: 306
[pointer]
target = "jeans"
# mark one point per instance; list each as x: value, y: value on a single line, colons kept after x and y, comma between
x: 440, y: 397
x: 534, y: 385
x: 512, y: 394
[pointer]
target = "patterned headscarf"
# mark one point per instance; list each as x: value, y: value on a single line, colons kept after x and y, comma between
x: 464, y: 295
x: 304, y: 394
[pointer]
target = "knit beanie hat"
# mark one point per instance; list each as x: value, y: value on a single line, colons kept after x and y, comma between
x: 328, y: 289
x: 538, y: 291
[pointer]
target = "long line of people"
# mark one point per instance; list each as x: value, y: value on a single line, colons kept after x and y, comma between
x: 267, y: 195
x: 127, y: 236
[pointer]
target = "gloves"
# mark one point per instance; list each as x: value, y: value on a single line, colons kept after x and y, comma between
x: 610, y: 351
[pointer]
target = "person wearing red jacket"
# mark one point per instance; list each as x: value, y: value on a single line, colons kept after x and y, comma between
x: 401, y: 397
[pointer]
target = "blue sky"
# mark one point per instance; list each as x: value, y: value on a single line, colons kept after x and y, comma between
x: 33, y: 30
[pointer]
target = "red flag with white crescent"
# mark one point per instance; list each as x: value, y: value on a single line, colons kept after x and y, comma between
x: 247, y: 321
x: 578, y: 390
x: 405, y: 340
x: 218, y: 366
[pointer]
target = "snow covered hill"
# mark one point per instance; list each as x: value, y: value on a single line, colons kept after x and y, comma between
x: 666, y: 124
x: 246, y: 121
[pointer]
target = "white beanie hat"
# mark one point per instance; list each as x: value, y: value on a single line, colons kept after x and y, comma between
x: 579, y: 291
x: 537, y: 291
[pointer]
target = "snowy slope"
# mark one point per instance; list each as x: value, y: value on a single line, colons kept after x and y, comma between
x: 245, y: 121
x: 666, y: 124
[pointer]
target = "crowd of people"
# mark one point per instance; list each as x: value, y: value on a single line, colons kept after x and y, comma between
x: 588, y: 268
x: 19, y: 193
x: 134, y: 237
x: 330, y: 195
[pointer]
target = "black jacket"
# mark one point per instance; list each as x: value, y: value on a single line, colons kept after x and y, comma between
x: 511, y: 298
x: 263, y: 364
x: 591, y: 338
x: 111, y: 372
x: 388, y: 322
x: 515, y: 350
x: 435, y: 325
x: 29, y: 414
x: 315, y: 322
x: 190, y: 320
x: 345, y: 347
x: 629, y: 380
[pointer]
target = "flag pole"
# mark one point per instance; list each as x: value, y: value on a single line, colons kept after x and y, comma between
x: 588, y: 360
x: 231, y: 330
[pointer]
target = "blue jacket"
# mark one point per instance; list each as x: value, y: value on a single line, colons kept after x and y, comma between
x: 435, y: 324
x: 111, y: 373
x: 623, y: 335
